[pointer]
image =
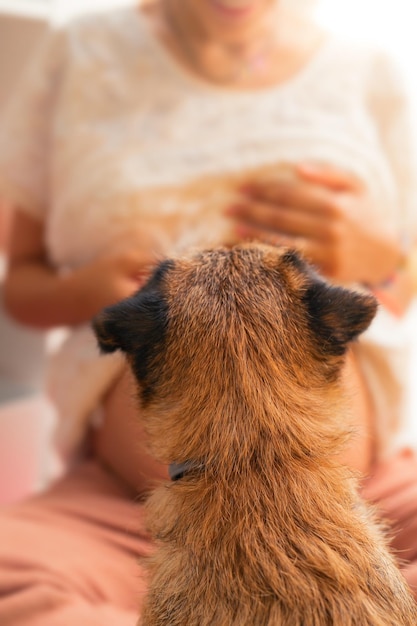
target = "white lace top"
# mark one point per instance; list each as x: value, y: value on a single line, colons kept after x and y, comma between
x: 107, y: 132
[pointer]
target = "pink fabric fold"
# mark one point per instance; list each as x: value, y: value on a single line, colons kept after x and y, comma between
x: 72, y: 555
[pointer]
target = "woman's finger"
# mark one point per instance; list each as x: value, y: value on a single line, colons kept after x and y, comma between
x: 306, y: 196
x: 335, y: 179
x: 281, y: 219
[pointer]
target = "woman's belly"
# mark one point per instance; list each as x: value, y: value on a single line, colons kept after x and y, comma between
x: 120, y: 442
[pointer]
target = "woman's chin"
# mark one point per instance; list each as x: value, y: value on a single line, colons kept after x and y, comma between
x: 237, y: 9
x: 236, y: 17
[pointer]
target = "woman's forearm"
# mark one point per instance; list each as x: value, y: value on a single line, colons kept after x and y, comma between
x: 37, y: 296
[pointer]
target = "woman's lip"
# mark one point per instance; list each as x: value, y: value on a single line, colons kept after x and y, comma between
x: 231, y: 10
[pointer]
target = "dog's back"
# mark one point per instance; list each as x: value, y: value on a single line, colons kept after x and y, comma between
x: 238, y: 355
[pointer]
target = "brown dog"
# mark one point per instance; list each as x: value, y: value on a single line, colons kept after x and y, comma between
x: 237, y: 354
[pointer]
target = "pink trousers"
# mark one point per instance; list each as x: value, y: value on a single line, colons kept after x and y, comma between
x: 71, y: 556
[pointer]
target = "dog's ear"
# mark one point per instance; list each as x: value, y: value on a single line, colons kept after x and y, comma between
x: 136, y: 323
x: 337, y: 315
x: 129, y: 324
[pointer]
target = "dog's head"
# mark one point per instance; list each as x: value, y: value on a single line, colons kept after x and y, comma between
x: 229, y: 330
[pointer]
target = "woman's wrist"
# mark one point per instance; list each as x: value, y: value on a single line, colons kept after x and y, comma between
x: 77, y: 294
x: 92, y: 287
x: 388, y: 260
x: 395, y: 293
x: 400, y: 266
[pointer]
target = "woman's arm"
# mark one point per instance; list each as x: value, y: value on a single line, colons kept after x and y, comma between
x: 37, y: 295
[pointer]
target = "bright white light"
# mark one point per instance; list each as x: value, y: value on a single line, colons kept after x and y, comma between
x: 390, y: 24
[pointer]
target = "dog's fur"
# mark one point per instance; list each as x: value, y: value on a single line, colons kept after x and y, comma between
x: 237, y: 354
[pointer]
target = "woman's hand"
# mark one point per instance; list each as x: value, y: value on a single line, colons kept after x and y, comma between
x: 37, y: 295
x: 115, y: 276
x: 328, y: 215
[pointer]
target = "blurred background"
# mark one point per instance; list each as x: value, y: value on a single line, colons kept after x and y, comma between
x: 26, y: 418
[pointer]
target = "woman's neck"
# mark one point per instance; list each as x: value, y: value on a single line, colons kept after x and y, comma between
x: 264, y: 56
x: 225, y: 62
